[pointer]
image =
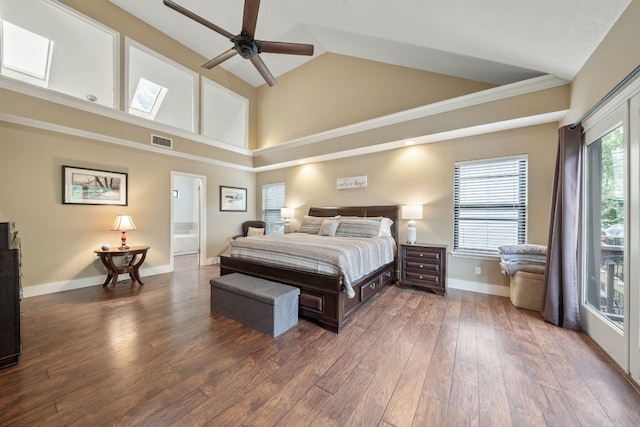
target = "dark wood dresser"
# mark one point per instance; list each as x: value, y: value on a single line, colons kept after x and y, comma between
x: 10, y: 263
x: 424, y: 265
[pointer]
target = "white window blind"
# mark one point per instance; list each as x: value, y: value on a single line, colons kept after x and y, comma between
x: 490, y: 204
x: 272, y: 202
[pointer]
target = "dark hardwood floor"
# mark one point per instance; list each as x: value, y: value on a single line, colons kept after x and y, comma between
x: 155, y: 355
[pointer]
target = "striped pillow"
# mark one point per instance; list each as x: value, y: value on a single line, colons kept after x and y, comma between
x: 359, y: 227
x: 311, y: 224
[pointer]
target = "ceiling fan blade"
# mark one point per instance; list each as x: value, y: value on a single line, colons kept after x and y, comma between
x: 250, y: 17
x: 220, y: 58
x: 288, y: 48
x: 197, y: 18
x: 263, y: 70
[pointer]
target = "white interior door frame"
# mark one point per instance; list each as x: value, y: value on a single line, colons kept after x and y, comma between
x: 202, y: 214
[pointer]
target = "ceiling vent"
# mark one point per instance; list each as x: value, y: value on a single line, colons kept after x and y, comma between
x: 161, y: 141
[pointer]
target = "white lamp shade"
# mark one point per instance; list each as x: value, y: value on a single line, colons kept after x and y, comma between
x: 412, y: 212
x: 123, y: 222
x: 286, y: 213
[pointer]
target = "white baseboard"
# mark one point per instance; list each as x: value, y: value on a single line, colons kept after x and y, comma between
x: 483, y: 288
x: 67, y: 285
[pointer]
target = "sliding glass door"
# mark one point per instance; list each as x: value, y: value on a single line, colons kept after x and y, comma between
x: 605, y: 285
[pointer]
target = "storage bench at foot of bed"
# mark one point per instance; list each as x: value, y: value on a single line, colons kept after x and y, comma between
x: 322, y: 297
x: 266, y: 306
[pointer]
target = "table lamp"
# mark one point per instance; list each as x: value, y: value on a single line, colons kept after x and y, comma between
x: 411, y: 212
x: 286, y: 214
x: 123, y: 223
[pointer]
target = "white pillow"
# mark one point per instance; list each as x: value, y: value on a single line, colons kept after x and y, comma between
x: 329, y: 227
x: 254, y: 231
x: 385, y: 227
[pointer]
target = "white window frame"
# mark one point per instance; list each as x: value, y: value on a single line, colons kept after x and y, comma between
x: 195, y: 87
x: 489, y: 248
x: 49, y: 88
x: 41, y: 76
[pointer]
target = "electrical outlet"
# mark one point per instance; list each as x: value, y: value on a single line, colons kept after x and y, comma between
x: 478, y: 270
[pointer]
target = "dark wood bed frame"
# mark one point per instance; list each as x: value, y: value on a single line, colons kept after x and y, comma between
x: 322, y: 297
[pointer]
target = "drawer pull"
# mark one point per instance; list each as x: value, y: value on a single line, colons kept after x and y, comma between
x: 421, y: 266
x: 372, y: 286
x: 420, y: 277
x: 421, y: 255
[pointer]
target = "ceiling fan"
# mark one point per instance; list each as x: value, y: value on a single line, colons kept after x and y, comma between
x: 244, y: 43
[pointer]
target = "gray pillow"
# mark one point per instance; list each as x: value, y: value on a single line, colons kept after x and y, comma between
x: 359, y: 227
x: 311, y: 224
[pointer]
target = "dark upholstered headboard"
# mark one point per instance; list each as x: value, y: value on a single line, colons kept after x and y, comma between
x: 390, y: 212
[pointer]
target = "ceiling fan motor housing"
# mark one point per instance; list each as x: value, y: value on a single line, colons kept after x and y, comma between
x: 246, y: 45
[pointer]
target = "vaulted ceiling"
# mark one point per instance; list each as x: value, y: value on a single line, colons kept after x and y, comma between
x: 494, y: 41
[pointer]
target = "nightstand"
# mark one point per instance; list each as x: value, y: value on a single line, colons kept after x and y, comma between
x: 424, y: 265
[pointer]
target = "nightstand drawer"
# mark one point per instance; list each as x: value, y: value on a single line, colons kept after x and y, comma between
x: 426, y: 265
x: 421, y: 276
x: 418, y: 254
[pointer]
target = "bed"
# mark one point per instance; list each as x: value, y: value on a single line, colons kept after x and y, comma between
x: 327, y: 297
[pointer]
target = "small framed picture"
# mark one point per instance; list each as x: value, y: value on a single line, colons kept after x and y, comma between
x: 233, y: 199
x: 81, y: 186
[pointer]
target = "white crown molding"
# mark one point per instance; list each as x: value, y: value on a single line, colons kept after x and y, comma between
x: 539, y: 119
x: 489, y: 95
x: 38, y: 124
x: 477, y: 98
x: 102, y: 110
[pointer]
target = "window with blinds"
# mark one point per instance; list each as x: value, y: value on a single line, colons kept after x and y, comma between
x: 272, y: 202
x: 490, y: 204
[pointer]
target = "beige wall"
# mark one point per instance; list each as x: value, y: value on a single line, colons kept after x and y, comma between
x: 58, y: 240
x: 615, y: 58
x: 334, y: 90
x: 424, y: 174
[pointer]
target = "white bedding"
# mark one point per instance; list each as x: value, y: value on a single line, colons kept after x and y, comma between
x: 351, y: 257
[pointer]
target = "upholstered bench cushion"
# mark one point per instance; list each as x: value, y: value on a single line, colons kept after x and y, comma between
x: 266, y: 306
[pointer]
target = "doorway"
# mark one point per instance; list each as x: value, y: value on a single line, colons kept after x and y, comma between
x: 188, y: 217
x: 610, y: 303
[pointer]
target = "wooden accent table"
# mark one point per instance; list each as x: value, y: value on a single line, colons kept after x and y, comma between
x: 131, y: 265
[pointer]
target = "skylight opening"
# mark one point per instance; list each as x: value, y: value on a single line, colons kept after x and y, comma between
x: 25, y: 52
x: 147, y: 99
